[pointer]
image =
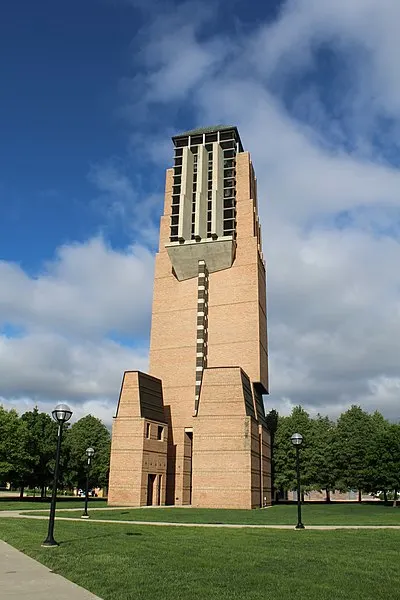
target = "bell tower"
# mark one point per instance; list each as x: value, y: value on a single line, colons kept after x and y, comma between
x: 208, y: 343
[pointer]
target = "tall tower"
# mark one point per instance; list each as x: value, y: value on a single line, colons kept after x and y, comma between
x: 208, y: 347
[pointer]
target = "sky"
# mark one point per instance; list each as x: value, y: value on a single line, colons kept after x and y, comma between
x: 91, y: 93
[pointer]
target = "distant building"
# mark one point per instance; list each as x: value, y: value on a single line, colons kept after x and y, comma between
x: 193, y: 432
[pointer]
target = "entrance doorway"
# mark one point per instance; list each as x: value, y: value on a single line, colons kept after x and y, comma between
x: 150, y: 488
x: 187, y: 483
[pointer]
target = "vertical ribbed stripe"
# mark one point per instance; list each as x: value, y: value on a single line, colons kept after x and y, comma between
x: 202, y: 328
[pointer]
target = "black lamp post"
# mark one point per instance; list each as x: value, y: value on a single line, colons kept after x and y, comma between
x: 89, y: 454
x: 297, y: 440
x: 62, y: 413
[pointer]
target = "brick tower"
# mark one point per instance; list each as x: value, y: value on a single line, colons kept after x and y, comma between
x: 194, y: 431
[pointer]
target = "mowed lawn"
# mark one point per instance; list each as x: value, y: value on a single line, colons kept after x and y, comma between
x: 123, y: 562
x: 315, y: 514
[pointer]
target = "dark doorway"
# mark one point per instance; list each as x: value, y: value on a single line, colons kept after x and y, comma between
x: 188, y: 464
x: 150, y: 488
x: 171, y: 460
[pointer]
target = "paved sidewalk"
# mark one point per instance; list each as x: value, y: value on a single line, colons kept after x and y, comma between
x: 13, y: 514
x: 22, y: 578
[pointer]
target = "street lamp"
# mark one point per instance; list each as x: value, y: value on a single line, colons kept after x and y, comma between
x: 61, y: 414
x: 297, y: 440
x: 89, y: 454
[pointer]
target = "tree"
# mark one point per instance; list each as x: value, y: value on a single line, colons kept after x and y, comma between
x: 321, y: 467
x: 284, y: 452
x: 354, y: 430
x: 393, y: 459
x: 88, y: 431
x: 378, y: 477
x: 13, y: 443
x: 384, y: 459
x: 41, y: 447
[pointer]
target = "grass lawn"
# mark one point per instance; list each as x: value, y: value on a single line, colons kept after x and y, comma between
x: 318, y: 514
x: 123, y: 562
x: 45, y: 505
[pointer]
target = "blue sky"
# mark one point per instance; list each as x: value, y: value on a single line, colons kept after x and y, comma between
x: 62, y: 63
x: 91, y: 94
x: 64, y: 69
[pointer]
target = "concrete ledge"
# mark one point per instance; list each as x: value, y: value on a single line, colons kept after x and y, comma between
x: 218, y: 254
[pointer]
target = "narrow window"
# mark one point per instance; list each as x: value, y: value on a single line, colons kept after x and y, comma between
x: 148, y: 430
x: 182, y: 142
x: 196, y: 139
x: 160, y: 432
x: 227, y: 135
x: 211, y: 137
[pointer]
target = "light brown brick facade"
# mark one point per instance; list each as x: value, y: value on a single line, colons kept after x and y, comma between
x: 139, y: 443
x: 208, y: 346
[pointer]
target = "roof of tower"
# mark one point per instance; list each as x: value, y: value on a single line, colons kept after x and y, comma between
x: 210, y: 129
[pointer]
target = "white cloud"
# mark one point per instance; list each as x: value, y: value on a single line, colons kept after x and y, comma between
x: 64, y: 368
x: 88, y: 289
x: 364, y: 32
x: 125, y: 205
x: 67, y: 314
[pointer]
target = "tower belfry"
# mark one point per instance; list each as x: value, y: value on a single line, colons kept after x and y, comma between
x: 209, y: 444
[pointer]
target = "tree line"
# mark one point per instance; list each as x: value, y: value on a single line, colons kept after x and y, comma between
x: 360, y: 451
x: 27, y: 451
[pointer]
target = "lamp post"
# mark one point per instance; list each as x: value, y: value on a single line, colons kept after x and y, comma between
x: 61, y: 414
x: 297, y: 440
x: 89, y: 454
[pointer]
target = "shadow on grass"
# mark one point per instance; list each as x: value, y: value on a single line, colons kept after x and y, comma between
x: 100, y: 536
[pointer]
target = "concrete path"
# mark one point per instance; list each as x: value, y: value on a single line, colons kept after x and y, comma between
x: 22, y: 578
x: 17, y: 515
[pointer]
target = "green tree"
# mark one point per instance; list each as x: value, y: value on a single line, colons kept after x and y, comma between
x: 284, y: 453
x: 353, y: 434
x: 88, y: 431
x: 377, y: 476
x: 384, y: 460
x: 13, y: 447
x: 321, y: 467
x: 392, y: 449
x: 41, y: 447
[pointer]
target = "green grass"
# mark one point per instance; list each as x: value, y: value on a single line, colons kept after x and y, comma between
x: 318, y: 514
x: 123, y: 562
x: 45, y: 505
